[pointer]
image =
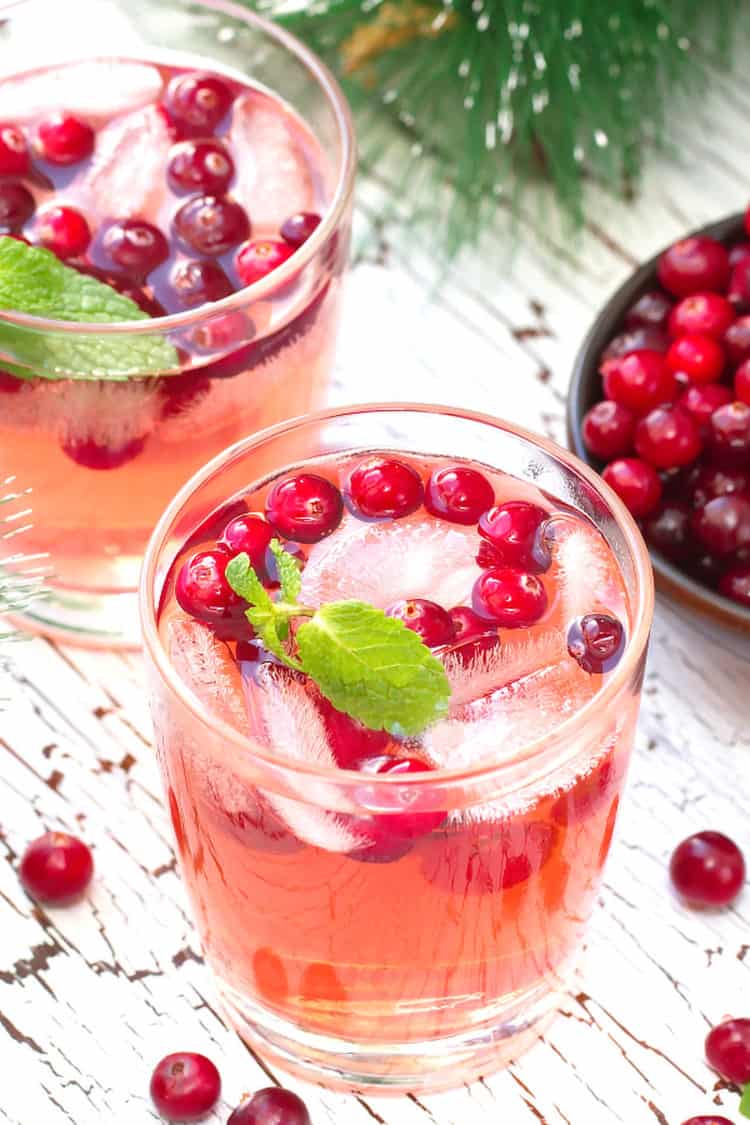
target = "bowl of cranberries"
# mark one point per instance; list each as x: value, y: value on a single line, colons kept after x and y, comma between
x: 660, y: 405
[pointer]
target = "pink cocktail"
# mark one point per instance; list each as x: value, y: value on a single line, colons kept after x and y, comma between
x: 398, y: 907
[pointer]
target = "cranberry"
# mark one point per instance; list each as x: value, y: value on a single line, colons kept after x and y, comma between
x: 739, y: 285
x: 636, y: 483
x: 14, y: 152
x: 490, y: 857
x: 297, y: 228
x: 249, y: 534
x: 427, y: 619
x: 729, y: 433
x: 636, y: 340
x: 700, y: 401
x: 712, y: 1120
x: 185, y: 1086
x: 728, y: 1050
x: 694, y: 264
x: 596, y: 642
x: 211, y: 224
x: 63, y: 230
x: 737, y: 340
x: 723, y: 524
x: 16, y: 206
x: 513, y: 531
x: 459, y: 495
x: 195, y: 283
x: 350, y: 741
x: 607, y: 430
x: 272, y: 1106
x: 64, y: 139
x: 401, y: 819
x: 56, y: 868
x: 739, y: 251
x: 255, y: 260
x: 735, y: 584
x: 668, y: 438
x: 135, y: 246
x: 467, y: 625
x: 9, y: 384
x: 707, y: 869
x: 717, y: 480
x: 145, y: 302
x: 92, y: 454
x: 202, y: 589
x: 707, y: 314
x: 639, y: 381
x: 198, y: 100
x: 652, y: 309
x: 699, y: 358
x: 306, y: 508
x: 200, y: 166
x: 383, y: 486
x: 510, y: 597
x: 742, y: 382
x: 668, y: 530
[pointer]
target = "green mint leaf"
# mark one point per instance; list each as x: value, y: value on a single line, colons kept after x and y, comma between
x: 290, y: 576
x: 271, y: 626
x: 745, y: 1101
x: 373, y: 667
x: 34, y: 281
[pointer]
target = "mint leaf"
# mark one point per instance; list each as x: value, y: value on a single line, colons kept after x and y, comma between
x: 34, y: 281
x: 745, y: 1101
x: 290, y: 576
x: 373, y: 667
x: 271, y: 626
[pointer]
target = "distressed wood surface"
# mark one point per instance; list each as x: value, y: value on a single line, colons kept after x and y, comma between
x: 92, y: 996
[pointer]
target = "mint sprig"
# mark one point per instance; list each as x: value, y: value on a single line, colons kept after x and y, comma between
x: 366, y: 664
x: 35, y: 282
x: 745, y: 1101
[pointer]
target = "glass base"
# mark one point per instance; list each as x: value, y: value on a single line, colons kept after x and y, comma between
x: 425, y: 1066
x: 89, y: 620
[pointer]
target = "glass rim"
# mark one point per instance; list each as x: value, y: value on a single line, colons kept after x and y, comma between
x: 567, y: 729
x: 345, y: 173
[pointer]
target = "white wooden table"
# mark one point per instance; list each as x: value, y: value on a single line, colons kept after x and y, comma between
x: 92, y: 996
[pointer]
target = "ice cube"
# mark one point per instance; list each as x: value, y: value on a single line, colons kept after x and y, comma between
x: 127, y: 172
x: 207, y: 667
x: 586, y: 572
x: 380, y: 563
x: 109, y: 415
x: 273, y: 179
x: 517, y: 655
x: 95, y: 89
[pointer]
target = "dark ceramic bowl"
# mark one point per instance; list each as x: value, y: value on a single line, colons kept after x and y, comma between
x: 586, y: 389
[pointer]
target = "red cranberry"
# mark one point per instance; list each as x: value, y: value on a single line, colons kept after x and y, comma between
x: 513, y: 531
x: 297, y: 228
x: 9, y: 384
x: 350, y: 741
x: 211, y: 224
x: 16, y: 206
x: 700, y: 358
x: 249, y: 534
x: 202, y: 589
x: 14, y: 152
x: 737, y: 340
x: 92, y: 454
x: 383, y: 486
x: 728, y: 1050
x: 487, y: 859
x: 198, y: 100
x: 135, y: 246
x: 735, y: 584
x: 707, y: 314
x: 707, y: 869
x: 596, y: 642
x: 427, y: 619
x: 467, y: 625
x: 255, y: 260
x: 723, y: 524
x: 272, y: 1106
x: 636, y: 340
x: 143, y: 300
x: 510, y: 597
x: 712, y: 1120
x: 63, y: 230
x: 639, y: 381
x: 305, y: 508
x: 636, y: 483
x: 487, y: 556
x: 200, y: 166
x: 737, y: 252
x: 742, y: 382
x: 406, y: 821
x: 729, y: 433
x: 668, y: 438
x: 607, y: 430
x: 717, y: 480
x: 739, y: 285
x: 701, y: 401
x: 652, y: 309
x: 56, y: 868
x: 694, y: 264
x: 64, y: 139
x: 185, y: 1086
x: 459, y: 495
x: 195, y: 283
x: 668, y: 530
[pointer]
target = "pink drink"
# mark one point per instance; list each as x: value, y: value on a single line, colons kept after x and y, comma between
x: 361, y: 913
x: 179, y: 185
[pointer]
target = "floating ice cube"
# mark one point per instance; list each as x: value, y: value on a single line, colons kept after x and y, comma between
x: 127, y: 172
x: 109, y: 415
x: 519, y: 654
x: 585, y: 570
x: 207, y: 667
x: 96, y: 89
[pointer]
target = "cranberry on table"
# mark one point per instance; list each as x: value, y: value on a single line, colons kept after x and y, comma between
x: 211, y: 224
x: 668, y: 530
x: 63, y: 230
x: 607, y: 430
x: 723, y: 524
x: 197, y: 282
x: 729, y: 433
x: 135, y: 246
x: 708, y: 314
x: 700, y: 358
x: 425, y: 618
x: 255, y: 260
x: 14, y: 151
x: 735, y: 584
x: 16, y: 206
x: 596, y: 641
x: 513, y: 530
x: 636, y: 483
x: 668, y: 438
x: 510, y: 597
x: 694, y: 264
x: 700, y: 400
x: 651, y: 309
x: 271, y: 1106
x: 728, y: 1050
x: 384, y: 487
x: 185, y: 1086
x: 200, y: 166
x: 249, y: 534
x: 64, y: 139
x: 202, y: 589
x: 56, y: 868
x: 458, y: 495
x: 305, y: 508
x: 639, y: 381
x: 707, y: 869
x: 297, y: 228
x: 198, y: 100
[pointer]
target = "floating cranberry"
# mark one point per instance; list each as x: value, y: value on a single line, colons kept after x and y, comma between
x: 707, y: 869
x: 135, y: 246
x: 64, y: 139
x: 92, y: 454
x: 511, y: 597
x: 16, y: 206
x: 723, y: 524
x: 185, y: 1086
x: 652, y: 309
x: 490, y: 857
x: 197, y: 282
x: 272, y: 1106
x: 636, y: 483
x: 700, y: 401
x: 735, y: 584
x: 668, y: 438
x: 467, y: 625
x: 737, y: 340
x: 637, y: 339
x: 406, y: 821
x: 211, y: 224
x: 707, y: 314
x: 305, y: 508
x: 668, y: 530
x: 9, y: 384
x: 202, y: 589
x: 351, y: 742
x: 63, y: 230
x: 607, y: 430
x: 14, y: 152
x: 639, y: 381
x: 459, y: 495
x: 729, y: 433
x: 200, y: 166
x: 297, y: 228
x: 700, y: 358
x: 382, y: 487
x: 694, y: 264
x: 198, y: 101
x: 251, y: 535
x: 427, y: 619
x: 717, y: 480
x: 513, y: 531
x: 596, y: 642
x: 255, y: 260
x: 728, y: 1050
x: 739, y: 285
x: 56, y: 868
